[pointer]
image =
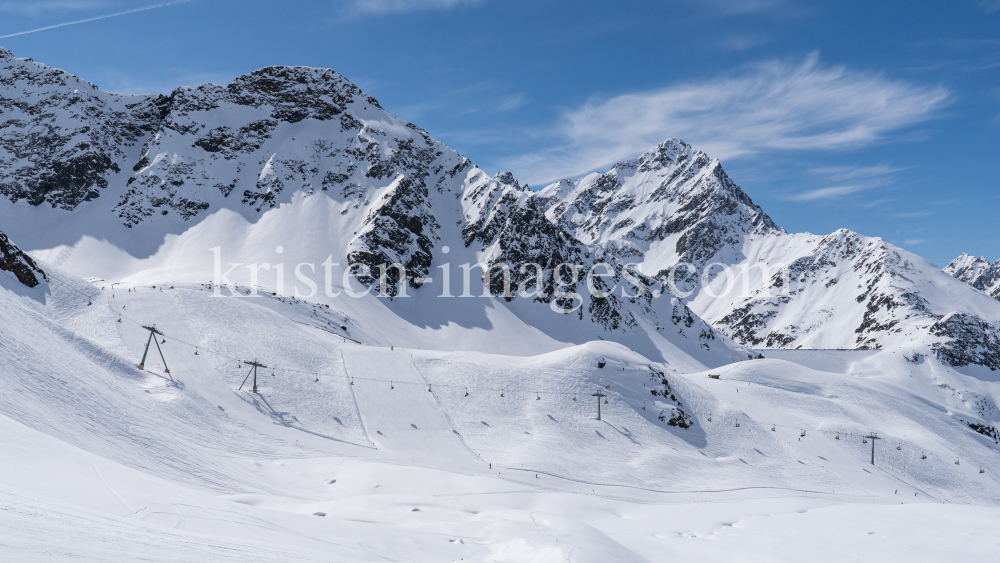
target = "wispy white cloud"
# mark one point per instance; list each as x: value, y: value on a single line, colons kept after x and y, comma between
x: 510, y: 104
x: 46, y: 6
x: 861, y: 178
x: 771, y: 106
x: 851, y: 172
x: 392, y: 6
x: 990, y: 5
x: 828, y: 193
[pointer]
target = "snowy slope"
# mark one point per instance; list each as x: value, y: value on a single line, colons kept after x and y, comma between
x: 433, y: 455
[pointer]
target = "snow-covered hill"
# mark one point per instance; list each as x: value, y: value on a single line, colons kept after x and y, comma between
x: 355, y: 451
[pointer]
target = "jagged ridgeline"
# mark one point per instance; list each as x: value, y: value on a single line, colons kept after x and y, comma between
x: 160, y: 164
x: 164, y: 162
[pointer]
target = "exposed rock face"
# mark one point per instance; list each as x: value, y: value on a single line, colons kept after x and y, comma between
x: 61, y: 139
x: 972, y: 340
x: 15, y: 261
x: 529, y: 256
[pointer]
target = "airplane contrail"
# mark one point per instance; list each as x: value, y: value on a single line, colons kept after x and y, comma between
x: 132, y: 11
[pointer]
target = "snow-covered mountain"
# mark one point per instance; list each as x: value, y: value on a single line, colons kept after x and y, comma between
x: 205, y: 167
x: 977, y: 272
x: 676, y: 214
x: 671, y: 204
x: 208, y: 164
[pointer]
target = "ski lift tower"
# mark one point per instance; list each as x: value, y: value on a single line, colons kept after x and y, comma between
x: 254, y: 365
x: 598, y: 395
x: 152, y: 338
x: 873, y: 436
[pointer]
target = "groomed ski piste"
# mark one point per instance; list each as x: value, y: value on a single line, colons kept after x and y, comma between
x: 363, y: 446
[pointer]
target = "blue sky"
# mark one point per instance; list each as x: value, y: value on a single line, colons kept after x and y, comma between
x: 883, y: 118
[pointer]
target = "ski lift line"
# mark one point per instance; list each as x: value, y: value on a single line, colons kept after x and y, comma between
x: 503, y: 390
x: 290, y: 370
x: 330, y: 331
x: 849, y: 434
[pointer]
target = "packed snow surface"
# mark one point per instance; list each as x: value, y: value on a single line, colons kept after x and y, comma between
x: 355, y: 450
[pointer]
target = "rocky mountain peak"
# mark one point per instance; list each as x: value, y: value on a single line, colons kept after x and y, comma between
x: 297, y: 93
x: 670, y: 194
x: 967, y: 268
x: 977, y: 272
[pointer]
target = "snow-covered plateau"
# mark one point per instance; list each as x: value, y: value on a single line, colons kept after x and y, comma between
x: 728, y: 391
